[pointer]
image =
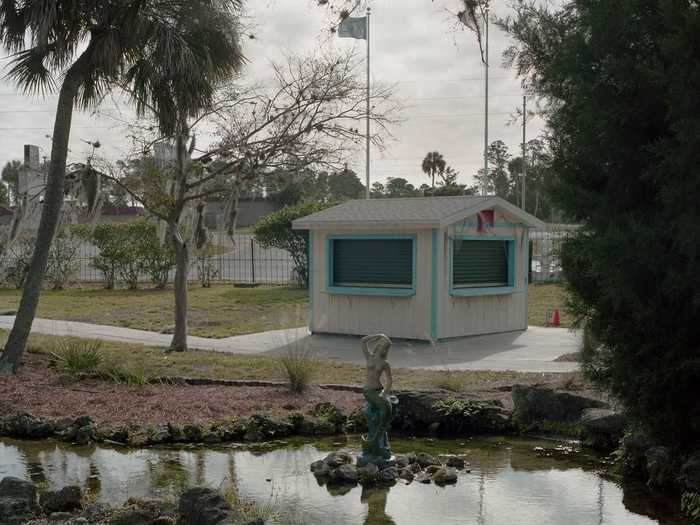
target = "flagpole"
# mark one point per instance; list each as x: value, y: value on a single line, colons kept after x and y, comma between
x: 368, y: 108
x: 486, y: 103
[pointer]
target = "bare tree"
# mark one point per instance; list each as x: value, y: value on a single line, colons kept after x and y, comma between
x: 308, y: 118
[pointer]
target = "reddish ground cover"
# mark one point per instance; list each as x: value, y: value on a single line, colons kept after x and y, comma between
x: 39, y: 390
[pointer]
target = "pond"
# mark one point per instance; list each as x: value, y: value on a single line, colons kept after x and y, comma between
x: 511, y: 481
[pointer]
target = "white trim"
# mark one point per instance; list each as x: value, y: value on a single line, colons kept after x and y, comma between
x: 494, y: 202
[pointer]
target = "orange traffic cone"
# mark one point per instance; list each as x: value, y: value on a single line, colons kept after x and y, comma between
x: 555, y: 318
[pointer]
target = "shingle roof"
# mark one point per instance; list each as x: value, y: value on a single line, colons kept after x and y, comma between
x: 416, y: 211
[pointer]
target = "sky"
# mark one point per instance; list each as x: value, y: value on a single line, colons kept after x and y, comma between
x: 415, y: 45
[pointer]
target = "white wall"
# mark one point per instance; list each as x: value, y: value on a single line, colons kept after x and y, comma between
x: 403, y: 317
x: 483, y: 314
x: 410, y: 317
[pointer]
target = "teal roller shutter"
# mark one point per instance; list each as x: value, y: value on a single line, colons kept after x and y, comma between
x: 479, y: 263
x: 373, y: 262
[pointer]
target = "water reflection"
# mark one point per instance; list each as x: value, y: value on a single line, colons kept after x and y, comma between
x: 508, y: 483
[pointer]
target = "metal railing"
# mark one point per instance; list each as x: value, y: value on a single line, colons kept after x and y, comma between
x: 545, y: 252
x: 242, y: 259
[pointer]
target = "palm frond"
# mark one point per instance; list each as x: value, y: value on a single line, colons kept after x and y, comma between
x: 13, y: 26
x: 29, y: 72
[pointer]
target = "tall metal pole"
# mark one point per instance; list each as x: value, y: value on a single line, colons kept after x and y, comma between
x: 522, y: 199
x: 486, y: 100
x: 368, y: 109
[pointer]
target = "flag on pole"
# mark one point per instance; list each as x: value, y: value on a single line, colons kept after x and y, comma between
x: 353, y: 27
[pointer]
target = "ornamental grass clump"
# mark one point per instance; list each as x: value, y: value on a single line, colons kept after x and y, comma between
x: 76, y: 357
x: 299, y: 367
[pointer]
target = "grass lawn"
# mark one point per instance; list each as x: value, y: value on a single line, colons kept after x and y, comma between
x: 544, y: 296
x: 220, y: 311
x: 148, y: 362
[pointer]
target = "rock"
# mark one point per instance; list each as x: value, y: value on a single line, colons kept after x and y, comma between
x: 212, y: 437
x: 318, y: 465
x: 133, y: 517
x: 60, y: 516
x: 203, y: 506
x: 67, y: 499
x: 17, y: 501
x: 177, y: 433
x: 414, y: 467
x: 232, y: 431
x: 85, y: 435
x: 335, y: 459
x: 401, y: 461
x: 388, y: 475
x: 261, y: 428
x: 602, y: 428
x: 447, y: 412
x: 535, y: 403
x: 690, y: 473
x: 634, y: 449
x: 456, y: 462
x: 321, y: 427
x: 26, y: 426
x: 345, y: 474
x: 159, y: 434
x: 80, y: 521
x: 321, y: 470
x: 406, y: 474
x: 193, y: 433
x: 138, y: 438
x: 445, y: 476
x: 83, y: 421
x: 432, y: 469
x: 425, y: 460
x: 368, y: 474
x: 423, y: 477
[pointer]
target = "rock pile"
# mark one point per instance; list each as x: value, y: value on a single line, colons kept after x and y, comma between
x: 339, y: 468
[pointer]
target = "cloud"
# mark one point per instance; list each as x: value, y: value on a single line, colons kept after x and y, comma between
x: 415, y: 45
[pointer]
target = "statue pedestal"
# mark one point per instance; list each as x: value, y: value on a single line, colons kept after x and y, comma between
x: 381, y: 463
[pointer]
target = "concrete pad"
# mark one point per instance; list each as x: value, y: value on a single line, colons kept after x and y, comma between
x: 533, y: 350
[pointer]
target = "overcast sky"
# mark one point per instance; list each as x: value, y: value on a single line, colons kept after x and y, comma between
x: 415, y: 44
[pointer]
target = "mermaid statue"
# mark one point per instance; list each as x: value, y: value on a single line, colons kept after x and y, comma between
x: 380, y: 404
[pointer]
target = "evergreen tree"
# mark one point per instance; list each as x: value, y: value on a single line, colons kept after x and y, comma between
x: 621, y: 80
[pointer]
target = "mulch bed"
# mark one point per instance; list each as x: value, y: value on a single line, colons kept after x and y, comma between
x: 41, y: 391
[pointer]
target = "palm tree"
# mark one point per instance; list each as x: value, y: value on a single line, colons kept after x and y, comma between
x: 90, y: 44
x: 10, y: 176
x: 433, y: 164
x: 175, y: 100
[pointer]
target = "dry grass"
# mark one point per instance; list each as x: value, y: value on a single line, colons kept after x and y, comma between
x: 220, y: 311
x: 147, y: 362
x: 544, y: 296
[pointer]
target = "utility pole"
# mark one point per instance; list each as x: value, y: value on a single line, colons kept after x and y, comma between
x: 522, y: 199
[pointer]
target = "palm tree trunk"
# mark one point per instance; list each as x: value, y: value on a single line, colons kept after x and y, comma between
x: 182, y: 264
x: 50, y: 214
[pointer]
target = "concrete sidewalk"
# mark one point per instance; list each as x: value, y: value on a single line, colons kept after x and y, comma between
x: 533, y: 350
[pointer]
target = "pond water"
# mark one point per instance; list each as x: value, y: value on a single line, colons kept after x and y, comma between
x: 512, y: 481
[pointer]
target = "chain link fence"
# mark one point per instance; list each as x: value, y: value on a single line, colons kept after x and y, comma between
x: 242, y: 259
x: 545, y: 252
x: 237, y: 259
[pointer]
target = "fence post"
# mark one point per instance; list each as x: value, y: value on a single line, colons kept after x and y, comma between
x: 252, y: 258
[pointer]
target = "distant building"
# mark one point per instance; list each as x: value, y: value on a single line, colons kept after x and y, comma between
x: 249, y: 212
x: 121, y: 213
